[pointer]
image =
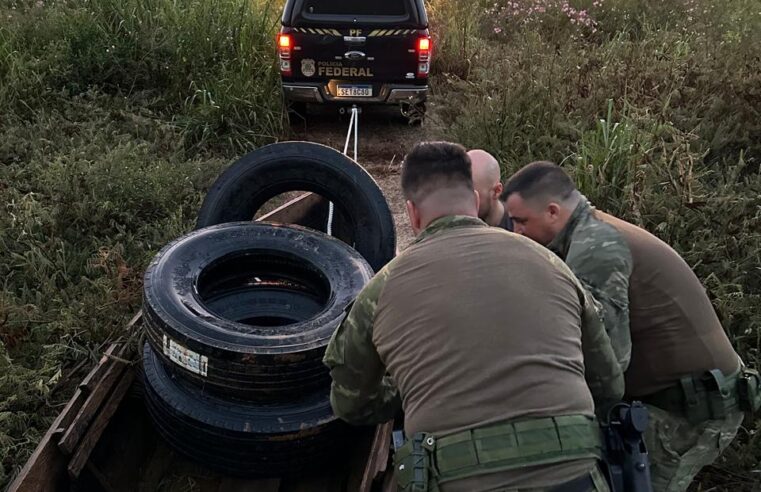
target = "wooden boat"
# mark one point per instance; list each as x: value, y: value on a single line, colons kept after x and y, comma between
x: 104, y: 440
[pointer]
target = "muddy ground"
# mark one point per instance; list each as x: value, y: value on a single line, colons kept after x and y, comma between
x: 384, y: 138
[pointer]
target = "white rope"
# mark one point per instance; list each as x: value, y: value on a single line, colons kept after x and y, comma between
x: 355, y: 115
x: 330, y: 219
x: 353, y: 123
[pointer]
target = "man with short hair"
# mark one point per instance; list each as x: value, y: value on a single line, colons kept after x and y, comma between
x: 486, y: 340
x: 665, y: 332
x: 486, y: 180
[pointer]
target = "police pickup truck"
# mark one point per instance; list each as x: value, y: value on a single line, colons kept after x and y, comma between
x: 348, y: 52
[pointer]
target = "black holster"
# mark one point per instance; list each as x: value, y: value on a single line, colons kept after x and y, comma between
x: 411, y: 463
x: 625, y: 455
x: 749, y: 391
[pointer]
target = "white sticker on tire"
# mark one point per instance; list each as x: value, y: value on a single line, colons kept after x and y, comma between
x: 184, y: 357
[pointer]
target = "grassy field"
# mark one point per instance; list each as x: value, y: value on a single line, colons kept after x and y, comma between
x: 115, y: 117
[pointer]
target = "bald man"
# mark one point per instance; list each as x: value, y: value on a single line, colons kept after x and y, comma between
x: 486, y: 181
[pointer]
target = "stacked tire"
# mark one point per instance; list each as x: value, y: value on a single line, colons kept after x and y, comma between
x: 238, y: 314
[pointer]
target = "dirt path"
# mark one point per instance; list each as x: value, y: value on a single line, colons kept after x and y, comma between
x: 384, y: 138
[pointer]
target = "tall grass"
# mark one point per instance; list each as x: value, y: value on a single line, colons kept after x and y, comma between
x: 206, y: 67
x: 457, y: 42
x: 115, y: 117
x: 533, y: 89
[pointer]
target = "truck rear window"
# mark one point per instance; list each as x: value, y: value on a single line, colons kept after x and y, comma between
x: 354, y: 7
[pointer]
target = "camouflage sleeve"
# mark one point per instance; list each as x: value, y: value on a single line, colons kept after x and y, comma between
x: 360, y: 393
x: 603, y: 373
x: 603, y: 264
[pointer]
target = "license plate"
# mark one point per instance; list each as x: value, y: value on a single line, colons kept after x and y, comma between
x: 355, y: 91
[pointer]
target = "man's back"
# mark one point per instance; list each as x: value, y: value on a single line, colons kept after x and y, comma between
x: 658, y: 318
x: 486, y: 336
x: 674, y: 329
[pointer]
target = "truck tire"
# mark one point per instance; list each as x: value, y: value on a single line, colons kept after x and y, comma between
x: 242, y: 189
x: 240, y: 438
x: 245, y: 309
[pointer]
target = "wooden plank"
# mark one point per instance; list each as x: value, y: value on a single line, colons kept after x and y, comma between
x: 90, y: 439
x: 127, y: 449
x: 94, y: 376
x: 295, y: 210
x: 379, y: 453
x: 311, y: 210
x: 47, y: 465
x: 115, y: 350
x: 113, y: 370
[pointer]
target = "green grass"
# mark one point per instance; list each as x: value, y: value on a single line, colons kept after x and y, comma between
x: 94, y: 194
x: 206, y: 67
x: 116, y: 116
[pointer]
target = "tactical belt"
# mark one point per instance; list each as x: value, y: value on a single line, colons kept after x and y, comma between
x: 711, y: 396
x: 426, y: 460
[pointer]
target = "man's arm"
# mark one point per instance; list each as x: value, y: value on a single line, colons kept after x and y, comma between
x: 602, y: 371
x: 603, y: 263
x: 359, y: 393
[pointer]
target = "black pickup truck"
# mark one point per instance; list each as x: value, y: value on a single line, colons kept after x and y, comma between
x: 355, y: 52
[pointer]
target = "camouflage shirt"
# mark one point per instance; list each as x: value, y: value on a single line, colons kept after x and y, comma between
x: 361, y: 391
x: 601, y: 259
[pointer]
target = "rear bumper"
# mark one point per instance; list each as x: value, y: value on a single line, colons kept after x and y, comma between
x: 388, y: 94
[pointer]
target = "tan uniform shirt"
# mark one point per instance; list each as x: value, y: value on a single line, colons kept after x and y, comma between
x: 657, y: 313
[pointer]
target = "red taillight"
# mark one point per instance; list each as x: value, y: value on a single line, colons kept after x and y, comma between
x: 284, y: 44
x: 424, y: 56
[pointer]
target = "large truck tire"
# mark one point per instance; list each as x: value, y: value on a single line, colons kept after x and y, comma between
x: 246, y: 309
x: 240, y: 438
x: 242, y: 189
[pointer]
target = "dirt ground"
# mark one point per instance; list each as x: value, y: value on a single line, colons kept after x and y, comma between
x: 384, y: 138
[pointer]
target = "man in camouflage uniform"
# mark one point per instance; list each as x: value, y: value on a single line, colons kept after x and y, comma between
x: 486, y: 180
x: 488, y: 343
x: 665, y: 333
